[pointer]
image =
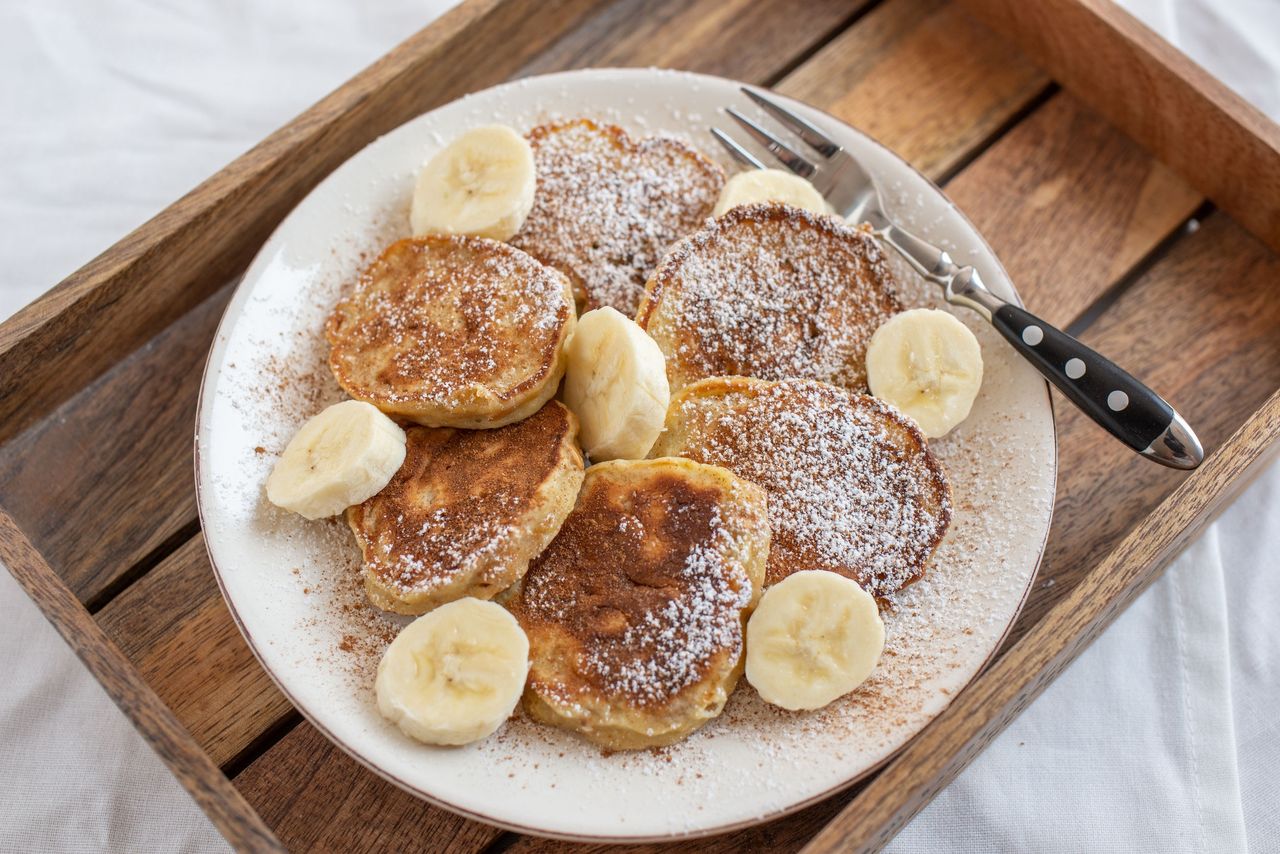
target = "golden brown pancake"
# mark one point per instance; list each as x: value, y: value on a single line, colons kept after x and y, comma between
x: 607, y: 206
x: 769, y: 291
x: 453, y: 331
x: 467, y: 510
x: 636, y: 611
x: 852, y: 485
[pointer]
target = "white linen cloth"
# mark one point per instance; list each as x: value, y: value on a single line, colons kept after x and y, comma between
x: 1161, y: 737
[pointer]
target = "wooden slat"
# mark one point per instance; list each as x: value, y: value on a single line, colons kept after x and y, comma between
x: 318, y: 799
x: 744, y: 39
x: 176, y: 629
x: 1070, y: 205
x: 908, y: 75
x: 55, y: 346
x: 228, y: 811
x: 1208, y: 134
x: 106, y: 480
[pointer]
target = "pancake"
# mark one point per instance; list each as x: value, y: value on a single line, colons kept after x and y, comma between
x: 852, y: 485
x: 467, y: 510
x: 636, y: 611
x: 453, y: 331
x: 770, y: 291
x: 608, y: 206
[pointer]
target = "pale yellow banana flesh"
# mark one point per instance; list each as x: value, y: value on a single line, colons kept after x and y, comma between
x: 481, y: 184
x: 769, y: 185
x: 814, y: 637
x: 928, y: 364
x: 616, y: 383
x: 455, y: 674
x: 342, y: 456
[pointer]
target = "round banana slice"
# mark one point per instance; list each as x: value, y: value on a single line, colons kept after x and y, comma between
x: 927, y: 364
x: 769, y: 185
x: 616, y: 384
x: 454, y: 675
x: 815, y: 636
x: 481, y: 184
x: 342, y: 456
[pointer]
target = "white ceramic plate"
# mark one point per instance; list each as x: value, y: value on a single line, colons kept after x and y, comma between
x: 293, y: 586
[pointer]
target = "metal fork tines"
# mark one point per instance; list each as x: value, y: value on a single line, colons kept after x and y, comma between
x: 834, y: 172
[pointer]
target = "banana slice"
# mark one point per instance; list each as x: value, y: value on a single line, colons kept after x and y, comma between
x: 927, y: 364
x: 815, y: 636
x: 340, y: 457
x: 616, y: 384
x: 454, y: 675
x: 481, y: 184
x: 769, y: 185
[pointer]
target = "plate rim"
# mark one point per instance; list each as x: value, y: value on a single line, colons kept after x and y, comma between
x: 226, y: 317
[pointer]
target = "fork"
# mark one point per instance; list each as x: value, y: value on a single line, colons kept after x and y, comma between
x: 1126, y: 408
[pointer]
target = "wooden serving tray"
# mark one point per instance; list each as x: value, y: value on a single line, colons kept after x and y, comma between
x: 99, y: 378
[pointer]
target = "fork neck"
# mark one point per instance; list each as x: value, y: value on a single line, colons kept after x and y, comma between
x: 963, y: 285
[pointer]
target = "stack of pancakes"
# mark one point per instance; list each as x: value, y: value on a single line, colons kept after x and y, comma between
x: 634, y: 579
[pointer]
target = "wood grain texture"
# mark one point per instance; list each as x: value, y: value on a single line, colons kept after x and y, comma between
x: 228, y: 811
x: 1221, y: 144
x: 753, y: 40
x: 106, y: 480
x: 318, y: 799
x: 175, y: 628
x: 908, y: 75
x: 1070, y: 205
x: 155, y: 274
x: 1035, y: 165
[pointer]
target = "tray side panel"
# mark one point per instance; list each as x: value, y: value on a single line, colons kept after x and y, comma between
x: 1220, y: 143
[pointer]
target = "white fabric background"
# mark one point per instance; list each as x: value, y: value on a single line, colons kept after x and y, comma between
x: 1162, y: 737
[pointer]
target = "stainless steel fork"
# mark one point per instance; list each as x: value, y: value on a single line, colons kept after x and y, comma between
x: 1126, y: 408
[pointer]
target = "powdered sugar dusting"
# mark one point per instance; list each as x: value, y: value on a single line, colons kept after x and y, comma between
x: 770, y: 291
x: 448, y: 322
x: 851, y: 487
x: 607, y: 206
x: 645, y: 579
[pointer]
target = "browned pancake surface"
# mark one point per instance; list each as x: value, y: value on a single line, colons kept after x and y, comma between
x: 852, y: 485
x: 608, y: 206
x: 770, y: 291
x: 467, y: 510
x: 452, y: 330
x: 635, y: 612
